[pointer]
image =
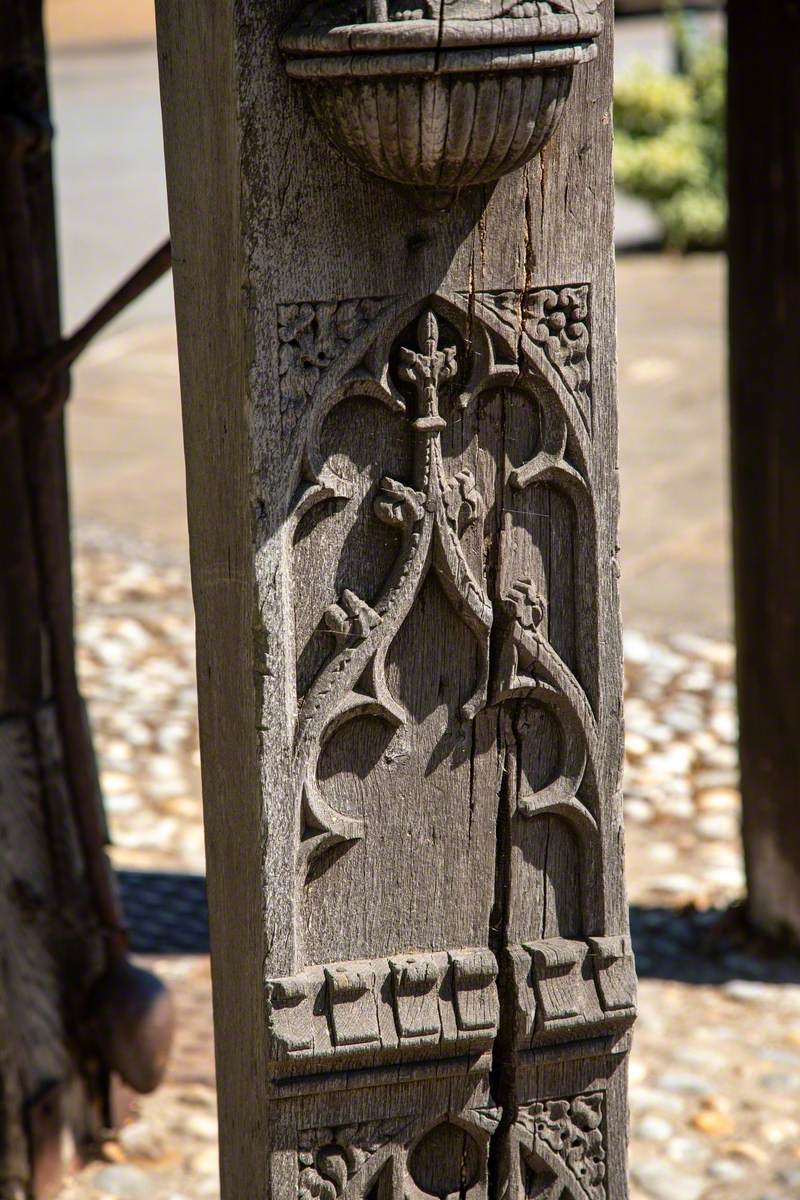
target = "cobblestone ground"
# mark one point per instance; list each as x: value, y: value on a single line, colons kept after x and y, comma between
x: 715, y: 1073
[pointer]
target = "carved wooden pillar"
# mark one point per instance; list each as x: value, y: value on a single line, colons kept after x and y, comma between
x: 392, y: 239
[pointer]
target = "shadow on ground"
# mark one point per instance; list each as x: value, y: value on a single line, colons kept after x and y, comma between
x: 167, y: 914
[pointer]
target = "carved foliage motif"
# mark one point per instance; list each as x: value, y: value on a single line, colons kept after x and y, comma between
x: 557, y: 319
x: 312, y: 337
x: 430, y: 512
x: 445, y: 999
x: 564, y: 1139
x: 449, y: 1000
x: 329, y: 1158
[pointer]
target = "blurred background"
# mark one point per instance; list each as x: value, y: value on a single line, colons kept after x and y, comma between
x: 715, y: 1080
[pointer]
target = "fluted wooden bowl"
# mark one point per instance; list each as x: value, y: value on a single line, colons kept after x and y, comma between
x: 438, y: 106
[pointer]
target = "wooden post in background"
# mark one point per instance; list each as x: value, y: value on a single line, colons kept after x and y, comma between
x: 51, y: 944
x: 400, y: 427
x: 74, y: 1011
x: 764, y: 299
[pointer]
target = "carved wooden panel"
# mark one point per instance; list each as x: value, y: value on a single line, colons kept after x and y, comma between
x: 448, y: 901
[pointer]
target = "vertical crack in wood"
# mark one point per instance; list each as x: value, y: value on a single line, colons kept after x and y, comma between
x: 514, y: 605
x: 502, y: 1079
x: 439, y: 37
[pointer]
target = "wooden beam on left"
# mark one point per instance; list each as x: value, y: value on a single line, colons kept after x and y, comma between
x: 73, y: 1010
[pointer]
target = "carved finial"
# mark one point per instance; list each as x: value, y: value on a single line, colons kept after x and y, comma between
x: 428, y: 371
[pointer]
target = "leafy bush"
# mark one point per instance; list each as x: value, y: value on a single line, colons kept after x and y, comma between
x: 670, y: 145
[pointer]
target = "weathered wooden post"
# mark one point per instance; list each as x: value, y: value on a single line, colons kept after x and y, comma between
x: 392, y: 238
x: 764, y: 179
x: 73, y: 1010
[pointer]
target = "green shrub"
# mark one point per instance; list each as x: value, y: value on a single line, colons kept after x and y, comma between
x: 670, y: 145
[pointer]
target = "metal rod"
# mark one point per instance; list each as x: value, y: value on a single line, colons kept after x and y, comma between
x: 67, y: 350
x: 29, y: 382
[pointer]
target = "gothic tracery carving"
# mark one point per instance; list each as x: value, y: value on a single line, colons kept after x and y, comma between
x: 427, y: 367
x: 445, y: 1157
x: 430, y: 513
x: 329, y: 1158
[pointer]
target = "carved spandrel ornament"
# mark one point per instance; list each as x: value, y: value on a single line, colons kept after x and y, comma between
x: 558, y: 1149
x: 441, y: 95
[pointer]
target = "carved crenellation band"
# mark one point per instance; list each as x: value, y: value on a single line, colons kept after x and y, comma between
x: 563, y: 989
x: 566, y: 989
x: 400, y: 1003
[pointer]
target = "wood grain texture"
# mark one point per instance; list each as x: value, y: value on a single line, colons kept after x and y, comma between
x: 401, y: 453
x: 243, y: 802
x: 764, y: 180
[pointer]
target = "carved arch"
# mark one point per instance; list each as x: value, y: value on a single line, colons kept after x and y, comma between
x: 428, y: 513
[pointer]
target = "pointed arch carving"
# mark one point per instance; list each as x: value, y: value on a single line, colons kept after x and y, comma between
x: 407, y: 361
